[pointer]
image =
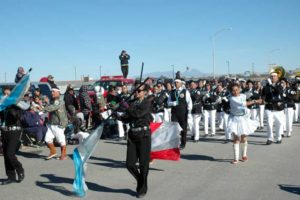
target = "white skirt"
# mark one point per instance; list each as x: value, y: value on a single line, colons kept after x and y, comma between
x: 241, y: 125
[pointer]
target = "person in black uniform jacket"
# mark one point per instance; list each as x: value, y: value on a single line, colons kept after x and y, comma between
x: 138, y: 115
x: 124, y: 57
x: 273, y: 96
x: 11, y: 134
x: 181, y: 105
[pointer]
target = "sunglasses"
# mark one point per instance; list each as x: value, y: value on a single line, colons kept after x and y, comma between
x: 139, y: 90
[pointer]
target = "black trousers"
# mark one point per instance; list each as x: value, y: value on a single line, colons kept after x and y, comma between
x: 11, y: 144
x: 138, y: 149
x: 124, y: 71
x: 180, y: 116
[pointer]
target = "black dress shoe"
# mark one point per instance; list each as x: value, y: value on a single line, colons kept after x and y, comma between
x: 227, y: 141
x: 278, y: 142
x: 7, y: 181
x: 182, y: 147
x: 141, y: 195
x: 21, y: 177
x: 269, y: 142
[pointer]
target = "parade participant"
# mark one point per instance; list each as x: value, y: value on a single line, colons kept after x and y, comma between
x: 20, y: 74
x: 138, y: 115
x: 124, y: 57
x: 261, y: 110
x: 181, y: 105
x: 158, y: 105
x: 196, y: 97
x: 239, y: 124
x: 222, y: 111
x: 272, y: 94
x: 289, y: 104
x: 11, y: 131
x: 56, y: 125
x: 251, y: 94
x: 167, y: 108
x: 209, y: 109
x: 122, y: 128
x: 297, y: 99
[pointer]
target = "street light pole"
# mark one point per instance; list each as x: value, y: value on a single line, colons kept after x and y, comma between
x: 228, y: 67
x: 213, y: 46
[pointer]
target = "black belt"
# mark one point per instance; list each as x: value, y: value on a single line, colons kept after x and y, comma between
x: 137, y: 129
x: 11, y: 128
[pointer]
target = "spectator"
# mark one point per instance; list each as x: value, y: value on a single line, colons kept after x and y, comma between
x: 70, y: 101
x: 85, y: 103
x: 20, y: 74
x: 51, y: 81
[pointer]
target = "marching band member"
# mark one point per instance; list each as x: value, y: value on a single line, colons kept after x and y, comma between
x: 297, y: 99
x: 196, y: 97
x: 251, y: 94
x: 167, y: 108
x: 273, y: 96
x: 289, y: 104
x: 209, y: 109
x: 222, y: 111
x: 181, y: 104
x: 261, y: 109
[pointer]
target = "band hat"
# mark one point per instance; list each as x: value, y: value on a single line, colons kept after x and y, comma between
x: 178, y: 80
x: 273, y: 72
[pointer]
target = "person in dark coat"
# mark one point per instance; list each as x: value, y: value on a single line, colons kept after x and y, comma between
x: 70, y: 101
x: 20, y: 74
x: 85, y: 103
x: 138, y: 115
x: 124, y: 57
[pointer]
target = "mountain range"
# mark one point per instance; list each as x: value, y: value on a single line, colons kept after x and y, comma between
x: 187, y: 74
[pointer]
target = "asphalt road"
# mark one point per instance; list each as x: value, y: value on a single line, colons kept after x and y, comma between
x: 204, y: 172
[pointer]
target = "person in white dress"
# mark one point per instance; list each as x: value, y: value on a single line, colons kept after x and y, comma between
x: 239, y: 122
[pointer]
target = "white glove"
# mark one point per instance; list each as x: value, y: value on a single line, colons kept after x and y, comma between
x: 269, y: 81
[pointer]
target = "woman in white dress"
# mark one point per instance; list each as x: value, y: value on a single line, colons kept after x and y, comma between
x: 239, y: 122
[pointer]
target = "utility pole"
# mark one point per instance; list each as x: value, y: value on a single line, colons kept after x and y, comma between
x: 75, y: 70
x: 100, y: 71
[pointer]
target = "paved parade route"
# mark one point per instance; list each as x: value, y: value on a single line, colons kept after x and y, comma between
x: 204, y: 172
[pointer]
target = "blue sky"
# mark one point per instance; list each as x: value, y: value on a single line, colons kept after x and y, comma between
x: 57, y: 36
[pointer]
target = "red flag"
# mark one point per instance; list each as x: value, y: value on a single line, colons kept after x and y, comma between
x: 165, y: 141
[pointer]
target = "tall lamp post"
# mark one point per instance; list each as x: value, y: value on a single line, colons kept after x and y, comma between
x: 228, y: 68
x: 213, y: 45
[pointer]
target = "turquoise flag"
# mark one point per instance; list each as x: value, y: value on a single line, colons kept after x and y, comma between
x: 80, y: 155
x: 16, y: 94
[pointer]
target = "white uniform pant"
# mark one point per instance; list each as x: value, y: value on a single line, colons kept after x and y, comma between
x: 54, y: 131
x: 211, y: 116
x: 167, y: 114
x: 196, y: 125
x: 261, y: 114
x: 278, y: 117
x: 289, y: 114
x: 253, y: 114
x: 120, y: 128
x: 224, y: 121
x: 297, y: 112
